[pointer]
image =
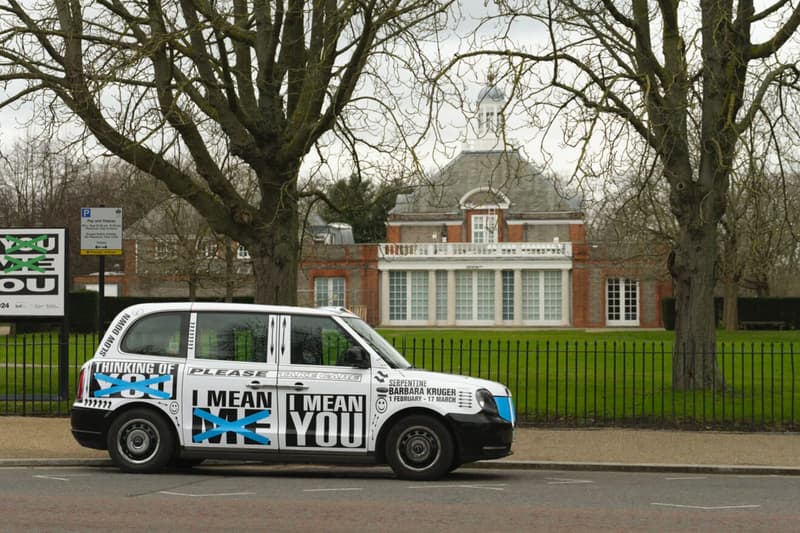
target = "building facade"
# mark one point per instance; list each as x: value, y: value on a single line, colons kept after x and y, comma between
x: 489, y: 241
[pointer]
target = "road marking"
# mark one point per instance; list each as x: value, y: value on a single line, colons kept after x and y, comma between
x: 341, y: 489
x: 567, y: 481
x: 493, y: 486
x: 210, y: 495
x: 685, y: 477
x: 53, y: 477
x: 706, y: 508
x: 760, y: 476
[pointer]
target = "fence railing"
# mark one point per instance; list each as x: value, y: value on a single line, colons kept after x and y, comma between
x: 29, y: 372
x: 757, y: 386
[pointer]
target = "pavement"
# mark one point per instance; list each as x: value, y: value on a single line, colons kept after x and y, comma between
x: 35, y: 441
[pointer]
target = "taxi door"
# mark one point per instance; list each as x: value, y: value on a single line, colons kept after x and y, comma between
x: 229, y: 383
x: 323, y: 389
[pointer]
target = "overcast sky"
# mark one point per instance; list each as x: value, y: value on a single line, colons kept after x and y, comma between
x: 467, y: 30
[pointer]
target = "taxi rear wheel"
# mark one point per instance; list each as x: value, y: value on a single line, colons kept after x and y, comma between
x: 420, y: 448
x: 140, y: 441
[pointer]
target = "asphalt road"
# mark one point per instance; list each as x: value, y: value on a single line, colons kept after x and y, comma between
x: 308, y: 498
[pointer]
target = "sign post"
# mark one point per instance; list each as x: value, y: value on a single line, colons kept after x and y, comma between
x: 101, y: 235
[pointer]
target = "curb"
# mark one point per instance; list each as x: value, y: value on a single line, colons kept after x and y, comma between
x: 754, y: 470
x: 494, y: 465
x: 38, y: 461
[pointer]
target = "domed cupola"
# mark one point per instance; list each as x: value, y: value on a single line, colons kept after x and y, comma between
x: 491, y: 103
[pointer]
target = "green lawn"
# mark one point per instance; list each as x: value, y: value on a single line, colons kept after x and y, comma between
x: 620, y: 378
x: 557, y: 377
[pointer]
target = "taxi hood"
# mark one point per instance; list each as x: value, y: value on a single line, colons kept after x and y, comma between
x: 453, y: 380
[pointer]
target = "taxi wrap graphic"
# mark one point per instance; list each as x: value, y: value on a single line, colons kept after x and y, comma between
x: 326, y: 420
x: 131, y: 380
x: 505, y: 407
x: 232, y: 417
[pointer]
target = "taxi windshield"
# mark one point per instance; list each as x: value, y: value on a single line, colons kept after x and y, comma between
x: 387, y: 352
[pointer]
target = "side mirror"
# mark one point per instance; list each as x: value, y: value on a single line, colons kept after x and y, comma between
x: 357, y: 357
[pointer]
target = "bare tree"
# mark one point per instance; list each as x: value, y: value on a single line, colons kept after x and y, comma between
x: 633, y: 220
x: 161, y: 81
x: 46, y: 182
x: 685, y: 80
x: 176, y: 245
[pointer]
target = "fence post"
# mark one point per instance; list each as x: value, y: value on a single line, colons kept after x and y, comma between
x: 63, y: 362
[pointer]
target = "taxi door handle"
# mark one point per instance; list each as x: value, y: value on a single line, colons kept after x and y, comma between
x: 296, y: 386
x: 255, y: 384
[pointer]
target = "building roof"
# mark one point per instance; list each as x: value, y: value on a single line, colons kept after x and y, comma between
x: 475, y: 178
x: 491, y: 93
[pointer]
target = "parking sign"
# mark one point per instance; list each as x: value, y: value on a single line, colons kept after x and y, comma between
x: 101, y: 231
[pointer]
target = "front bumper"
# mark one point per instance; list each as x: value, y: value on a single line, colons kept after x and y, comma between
x: 481, y: 436
x: 90, y: 427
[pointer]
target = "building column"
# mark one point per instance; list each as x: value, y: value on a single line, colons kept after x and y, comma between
x: 498, y: 302
x: 385, y: 296
x: 431, y: 297
x: 517, y: 297
x: 451, y: 297
x: 565, y: 298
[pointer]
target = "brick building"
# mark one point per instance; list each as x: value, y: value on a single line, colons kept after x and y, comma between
x: 488, y: 242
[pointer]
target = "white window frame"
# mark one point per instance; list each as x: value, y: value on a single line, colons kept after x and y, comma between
x: 545, y: 293
x: 508, y: 295
x: 210, y: 248
x: 484, y: 229
x: 242, y: 253
x: 412, y: 288
x: 164, y: 249
x: 475, y: 296
x: 398, y: 289
x: 335, y: 291
x: 442, y: 296
x: 622, y: 299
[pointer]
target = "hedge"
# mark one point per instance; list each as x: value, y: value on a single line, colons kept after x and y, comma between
x: 83, y: 311
x: 782, y: 312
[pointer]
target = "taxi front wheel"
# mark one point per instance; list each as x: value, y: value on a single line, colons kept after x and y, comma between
x: 419, y: 448
x: 140, y: 441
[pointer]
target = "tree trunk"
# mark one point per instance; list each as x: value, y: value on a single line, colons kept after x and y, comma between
x: 274, y: 254
x: 693, y: 271
x: 192, y: 288
x: 230, y: 272
x: 730, y: 310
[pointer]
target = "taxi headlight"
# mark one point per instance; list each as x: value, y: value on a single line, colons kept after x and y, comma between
x: 486, y: 401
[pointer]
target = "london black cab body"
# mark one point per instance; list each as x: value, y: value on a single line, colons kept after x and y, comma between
x: 181, y: 382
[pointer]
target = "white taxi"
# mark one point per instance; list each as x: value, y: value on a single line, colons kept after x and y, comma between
x: 177, y: 383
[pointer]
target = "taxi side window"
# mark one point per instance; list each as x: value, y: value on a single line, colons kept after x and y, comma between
x: 232, y: 337
x: 319, y: 341
x: 158, y: 334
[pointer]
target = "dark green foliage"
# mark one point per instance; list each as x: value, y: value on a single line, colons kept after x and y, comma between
x: 754, y: 313
x: 83, y: 311
x: 361, y: 204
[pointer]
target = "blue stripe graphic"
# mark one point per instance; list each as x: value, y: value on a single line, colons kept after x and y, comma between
x: 120, y: 385
x: 505, y: 407
x: 236, y: 426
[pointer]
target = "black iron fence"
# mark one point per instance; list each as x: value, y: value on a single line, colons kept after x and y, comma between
x: 755, y: 386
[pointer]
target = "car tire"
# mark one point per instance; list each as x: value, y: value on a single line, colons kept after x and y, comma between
x: 419, y: 448
x: 140, y: 441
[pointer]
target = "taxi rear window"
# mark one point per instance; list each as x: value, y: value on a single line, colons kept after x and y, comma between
x: 163, y: 334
